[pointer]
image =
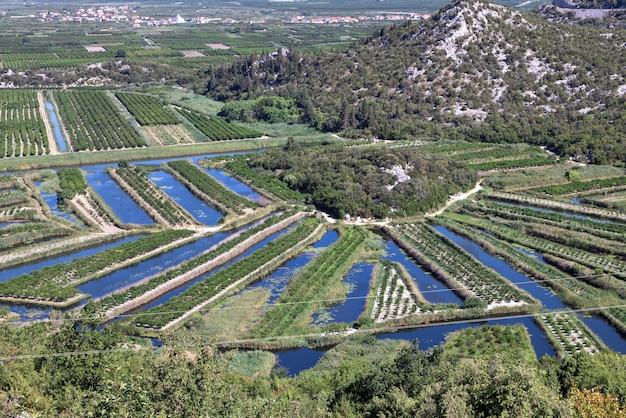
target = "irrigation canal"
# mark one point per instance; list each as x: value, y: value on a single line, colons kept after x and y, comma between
x: 358, y: 278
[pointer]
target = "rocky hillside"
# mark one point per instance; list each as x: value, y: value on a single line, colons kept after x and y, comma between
x: 477, y: 69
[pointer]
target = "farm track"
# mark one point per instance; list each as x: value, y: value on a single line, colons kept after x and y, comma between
x: 82, y: 204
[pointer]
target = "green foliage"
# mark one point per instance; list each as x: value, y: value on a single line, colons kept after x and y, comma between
x: 93, y: 122
x: 270, y: 109
x: 399, y: 84
x: 217, y: 129
x: 72, y: 182
x: 175, y: 307
x: 22, y: 130
x: 56, y: 282
x: 211, y: 187
x: 148, y: 110
x: 356, y: 181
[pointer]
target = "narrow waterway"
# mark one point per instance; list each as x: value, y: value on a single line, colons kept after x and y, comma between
x: 202, y: 212
x: 175, y: 292
x: 56, y: 127
x: 358, y: 281
x: 276, y: 282
x: 132, y: 274
x: 432, y: 289
x: 125, y: 208
x: 535, y: 289
x: 235, y: 185
x: 9, y: 273
x: 599, y: 326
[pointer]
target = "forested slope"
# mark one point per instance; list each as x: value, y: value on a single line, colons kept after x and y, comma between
x: 478, y: 70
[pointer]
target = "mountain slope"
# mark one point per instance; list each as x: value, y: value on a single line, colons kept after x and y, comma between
x: 477, y: 69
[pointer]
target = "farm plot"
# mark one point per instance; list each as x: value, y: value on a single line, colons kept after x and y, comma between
x: 217, y: 129
x: 457, y: 268
x: 93, y: 123
x: 167, y: 134
x: 486, y: 209
x: 302, y: 296
x: 56, y: 283
x: 567, y: 207
x: 458, y: 148
x: 22, y: 128
x: 394, y: 299
x: 613, y: 200
x: 568, y: 335
x: 595, y: 261
x: 21, y: 234
x: 251, y: 268
x: 572, y: 291
x: 578, y: 187
x: 150, y: 288
x: 605, y: 238
x: 505, y: 164
x: 152, y: 199
x: 272, y: 186
x: 211, y: 189
x: 148, y: 110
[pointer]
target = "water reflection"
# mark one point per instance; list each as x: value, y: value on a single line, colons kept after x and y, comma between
x: 202, y: 212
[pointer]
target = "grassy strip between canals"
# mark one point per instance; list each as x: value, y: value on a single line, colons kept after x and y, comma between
x: 482, y: 209
x: 177, y: 306
x: 215, y: 192
x: 595, y: 261
x: 310, y: 285
x: 112, y: 301
x: 581, y: 186
x: 55, y: 283
x: 506, y: 164
x: 554, y: 205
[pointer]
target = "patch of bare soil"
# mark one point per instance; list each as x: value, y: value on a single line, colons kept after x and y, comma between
x: 88, y: 212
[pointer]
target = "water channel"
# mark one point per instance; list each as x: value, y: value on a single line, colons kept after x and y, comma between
x: 359, y: 277
x: 56, y: 128
x: 202, y: 212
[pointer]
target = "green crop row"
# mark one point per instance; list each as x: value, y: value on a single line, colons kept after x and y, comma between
x: 116, y: 299
x: 22, y: 130
x: 152, y: 195
x: 148, y: 110
x: 581, y: 186
x: 55, y: 282
x: 505, y: 164
x: 93, y: 123
x: 439, y: 254
x: 310, y: 284
x: 211, y: 187
x: 161, y: 315
x: 217, y: 129
x: 269, y: 182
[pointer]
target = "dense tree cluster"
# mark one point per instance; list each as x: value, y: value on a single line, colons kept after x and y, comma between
x: 84, y: 372
x: 367, y: 182
x: 475, y: 69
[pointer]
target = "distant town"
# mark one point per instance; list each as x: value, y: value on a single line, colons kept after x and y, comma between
x: 130, y: 15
